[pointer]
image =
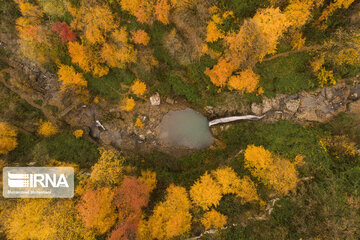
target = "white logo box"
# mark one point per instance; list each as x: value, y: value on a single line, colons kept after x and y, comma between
x: 38, y: 182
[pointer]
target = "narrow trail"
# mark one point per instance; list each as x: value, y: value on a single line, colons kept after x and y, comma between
x: 285, y: 54
x: 23, y: 96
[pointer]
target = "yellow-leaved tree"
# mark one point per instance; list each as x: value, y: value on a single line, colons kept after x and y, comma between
x: 141, y: 9
x: 95, y: 20
x: 47, y: 129
x: 128, y: 104
x: 87, y: 59
x: 108, y: 171
x: 70, y: 78
x: 170, y: 218
x: 256, y: 38
x: 276, y: 172
x: 206, y: 192
x: 8, y: 140
x: 45, y: 219
x: 149, y: 178
x: 230, y: 183
x: 213, y: 219
x: 245, y: 81
x: 138, y: 87
x: 329, y: 10
x: 119, y: 51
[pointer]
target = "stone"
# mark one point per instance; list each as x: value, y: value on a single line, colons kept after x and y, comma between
x: 329, y: 93
x: 354, y: 107
x: 106, y: 137
x: 256, y: 108
x: 293, y: 105
x: 169, y: 101
x: 270, y: 104
x: 155, y: 99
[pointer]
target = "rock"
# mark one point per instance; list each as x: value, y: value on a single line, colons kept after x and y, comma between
x: 94, y: 132
x: 169, y: 101
x: 329, y: 93
x: 270, y: 104
x: 209, y: 109
x: 354, y: 107
x: 256, y: 108
x: 155, y: 99
x: 293, y: 105
x: 106, y: 137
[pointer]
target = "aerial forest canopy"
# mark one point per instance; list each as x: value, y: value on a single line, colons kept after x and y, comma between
x: 87, y: 83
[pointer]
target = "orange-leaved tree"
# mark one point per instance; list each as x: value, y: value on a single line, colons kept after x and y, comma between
x: 140, y: 37
x: 87, y: 59
x: 97, y: 210
x: 130, y: 198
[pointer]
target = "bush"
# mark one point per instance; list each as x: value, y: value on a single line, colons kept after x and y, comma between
x: 184, y: 89
x: 66, y: 148
x: 286, y: 75
x: 243, y: 8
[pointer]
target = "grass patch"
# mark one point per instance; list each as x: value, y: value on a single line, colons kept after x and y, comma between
x: 287, y: 75
x: 22, y: 153
x: 113, y: 80
x: 67, y: 148
x: 243, y: 8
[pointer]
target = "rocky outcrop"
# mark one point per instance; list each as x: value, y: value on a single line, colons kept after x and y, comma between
x: 320, y: 105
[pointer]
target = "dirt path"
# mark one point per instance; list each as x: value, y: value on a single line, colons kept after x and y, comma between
x: 285, y: 54
x: 45, y: 111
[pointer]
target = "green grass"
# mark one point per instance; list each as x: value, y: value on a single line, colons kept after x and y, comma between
x: 63, y: 147
x: 22, y: 153
x: 283, y: 138
x: 113, y: 80
x: 287, y: 75
x: 243, y: 8
x: 67, y: 148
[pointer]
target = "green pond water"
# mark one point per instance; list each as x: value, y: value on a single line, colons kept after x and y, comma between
x: 185, y: 128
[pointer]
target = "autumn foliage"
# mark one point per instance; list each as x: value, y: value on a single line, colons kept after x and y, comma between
x: 109, y: 169
x: 138, y: 87
x: 170, y: 218
x: 97, y: 210
x: 130, y: 198
x: 47, y: 129
x: 70, y: 78
x: 245, y: 81
x: 213, y: 219
x: 206, y: 192
x: 8, y: 141
x: 272, y: 170
x: 64, y: 31
x: 140, y: 37
x: 128, y: 104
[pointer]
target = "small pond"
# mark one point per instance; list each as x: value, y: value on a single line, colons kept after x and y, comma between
x: 185, y: 128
